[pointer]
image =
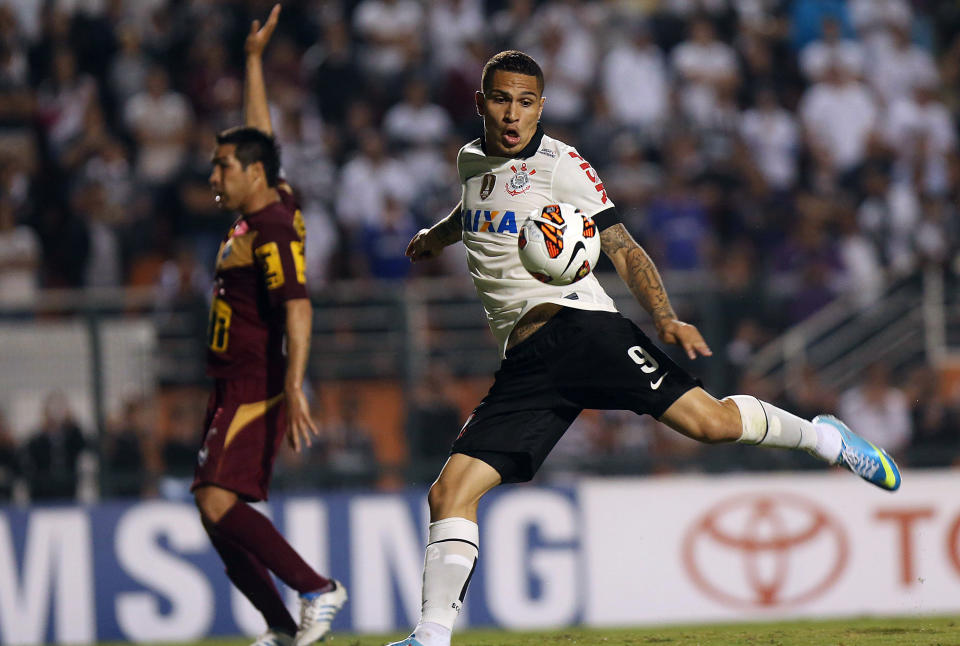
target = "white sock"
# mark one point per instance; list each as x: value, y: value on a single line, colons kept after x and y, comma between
x: 829, y: 443
x: 451, y: 556
x: 767, y: 425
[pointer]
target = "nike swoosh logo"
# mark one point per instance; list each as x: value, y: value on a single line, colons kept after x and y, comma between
x: 656, y: 384
x: 577, y: 248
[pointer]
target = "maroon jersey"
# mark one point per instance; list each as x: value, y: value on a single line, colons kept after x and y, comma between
x: 260, y: 266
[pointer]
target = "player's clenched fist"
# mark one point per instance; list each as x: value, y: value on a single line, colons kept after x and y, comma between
x: 424, y: 245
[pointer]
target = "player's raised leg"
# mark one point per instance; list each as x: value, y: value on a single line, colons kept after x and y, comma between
x: 243, y: 568
x: 232, y: 522
x: 452, y: 546
x: 256, y: 584
x: 746, y: 419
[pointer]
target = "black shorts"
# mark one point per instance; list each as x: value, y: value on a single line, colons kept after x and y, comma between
x: 578, y: 359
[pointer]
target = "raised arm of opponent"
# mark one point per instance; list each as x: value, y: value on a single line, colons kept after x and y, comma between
x: 641, y: 276
x: 429, y: 243
x: 255, y: 109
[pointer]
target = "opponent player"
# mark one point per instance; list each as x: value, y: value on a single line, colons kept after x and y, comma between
x: 260, y: 304
x: 567, y: 348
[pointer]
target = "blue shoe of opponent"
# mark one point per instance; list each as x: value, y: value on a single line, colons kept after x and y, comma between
x: 862, y: 457
x: 409, y: 641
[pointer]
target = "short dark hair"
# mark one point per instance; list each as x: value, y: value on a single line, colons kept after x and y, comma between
x: 254, y: 145
x: 511, y: 61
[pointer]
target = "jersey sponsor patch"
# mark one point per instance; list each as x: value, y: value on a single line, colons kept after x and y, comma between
x: 487, y: 184
x: 487, y: 221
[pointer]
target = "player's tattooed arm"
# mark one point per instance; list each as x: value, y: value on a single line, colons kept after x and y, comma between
x: 449, y: 230
x: 637, y: 270
x: 429, y: 243
x: 255, y: 109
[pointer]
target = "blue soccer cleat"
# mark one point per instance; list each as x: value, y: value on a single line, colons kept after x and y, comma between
x: 862, y: 457
x: 409, y: 641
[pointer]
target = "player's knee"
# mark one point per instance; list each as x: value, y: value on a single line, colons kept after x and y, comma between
x: 722, y: 425
x: 726, y: 425
x: 214, y: 502
x: 439, y: 496
x: 447, y: 498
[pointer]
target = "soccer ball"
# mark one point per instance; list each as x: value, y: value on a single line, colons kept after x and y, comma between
x: 558, y: 244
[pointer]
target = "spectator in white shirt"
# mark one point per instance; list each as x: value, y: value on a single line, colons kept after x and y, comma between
x: 19, y: 259
x: 772, y: 136
x: 839, y: 115
x: 366, y: 181
x: 705, y: 67
x: 63, y: 100
x: 921, y: 132
x: 873, y: 20
x: 159, y: 120
x: 392, y: 31
x: 512, y: 26
x: 831, y: 49
x: 894, y: 70
x: 635, y: 81
x: 566, y: 54
x: 128, y: 70
x: 420, y: 128
x: 452, y: 24
x: 880, y: 410
x: 863, y: 276
x: 416, y: 121
x: 889, y: 214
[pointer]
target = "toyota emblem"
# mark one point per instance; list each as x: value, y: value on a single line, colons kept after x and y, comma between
x: 765, y: 551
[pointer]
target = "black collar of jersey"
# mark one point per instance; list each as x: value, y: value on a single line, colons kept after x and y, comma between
x: 529, y: 150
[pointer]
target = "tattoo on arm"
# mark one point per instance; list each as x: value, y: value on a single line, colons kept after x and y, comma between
x: 450, y: 229
x: 638, y: 272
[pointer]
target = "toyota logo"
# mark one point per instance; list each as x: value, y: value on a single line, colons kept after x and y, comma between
x: 765, y: 551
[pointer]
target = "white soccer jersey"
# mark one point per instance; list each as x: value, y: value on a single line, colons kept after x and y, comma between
x: 498, y: 195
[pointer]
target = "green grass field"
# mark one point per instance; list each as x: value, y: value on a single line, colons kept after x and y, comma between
x: 923, y: 631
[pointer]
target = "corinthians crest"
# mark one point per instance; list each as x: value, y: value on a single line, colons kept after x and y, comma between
x: 520, y: 182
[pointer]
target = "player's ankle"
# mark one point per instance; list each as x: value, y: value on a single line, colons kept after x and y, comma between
x: 829, y: 443
x: 429, y: 633
x: 313, y: 594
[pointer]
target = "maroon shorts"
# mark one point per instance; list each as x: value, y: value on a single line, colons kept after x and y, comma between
x: 245, y: 424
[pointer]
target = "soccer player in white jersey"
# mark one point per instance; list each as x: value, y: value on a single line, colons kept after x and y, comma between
x: 544, y: 380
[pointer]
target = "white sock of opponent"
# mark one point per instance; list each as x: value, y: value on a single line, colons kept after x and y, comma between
x: 452, y: 550
x: 767, y: 425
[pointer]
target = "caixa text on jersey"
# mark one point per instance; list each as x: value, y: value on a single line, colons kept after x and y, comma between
x: 480, y: 221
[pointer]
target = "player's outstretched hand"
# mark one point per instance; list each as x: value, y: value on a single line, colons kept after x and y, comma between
x: 423, y: 246
x: 258, y: 37
x: 686, y: 336
x: 299, y: 422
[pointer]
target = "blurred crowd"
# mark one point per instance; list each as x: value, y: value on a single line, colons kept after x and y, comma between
x: 804, y: 147
x: 795, y: 150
